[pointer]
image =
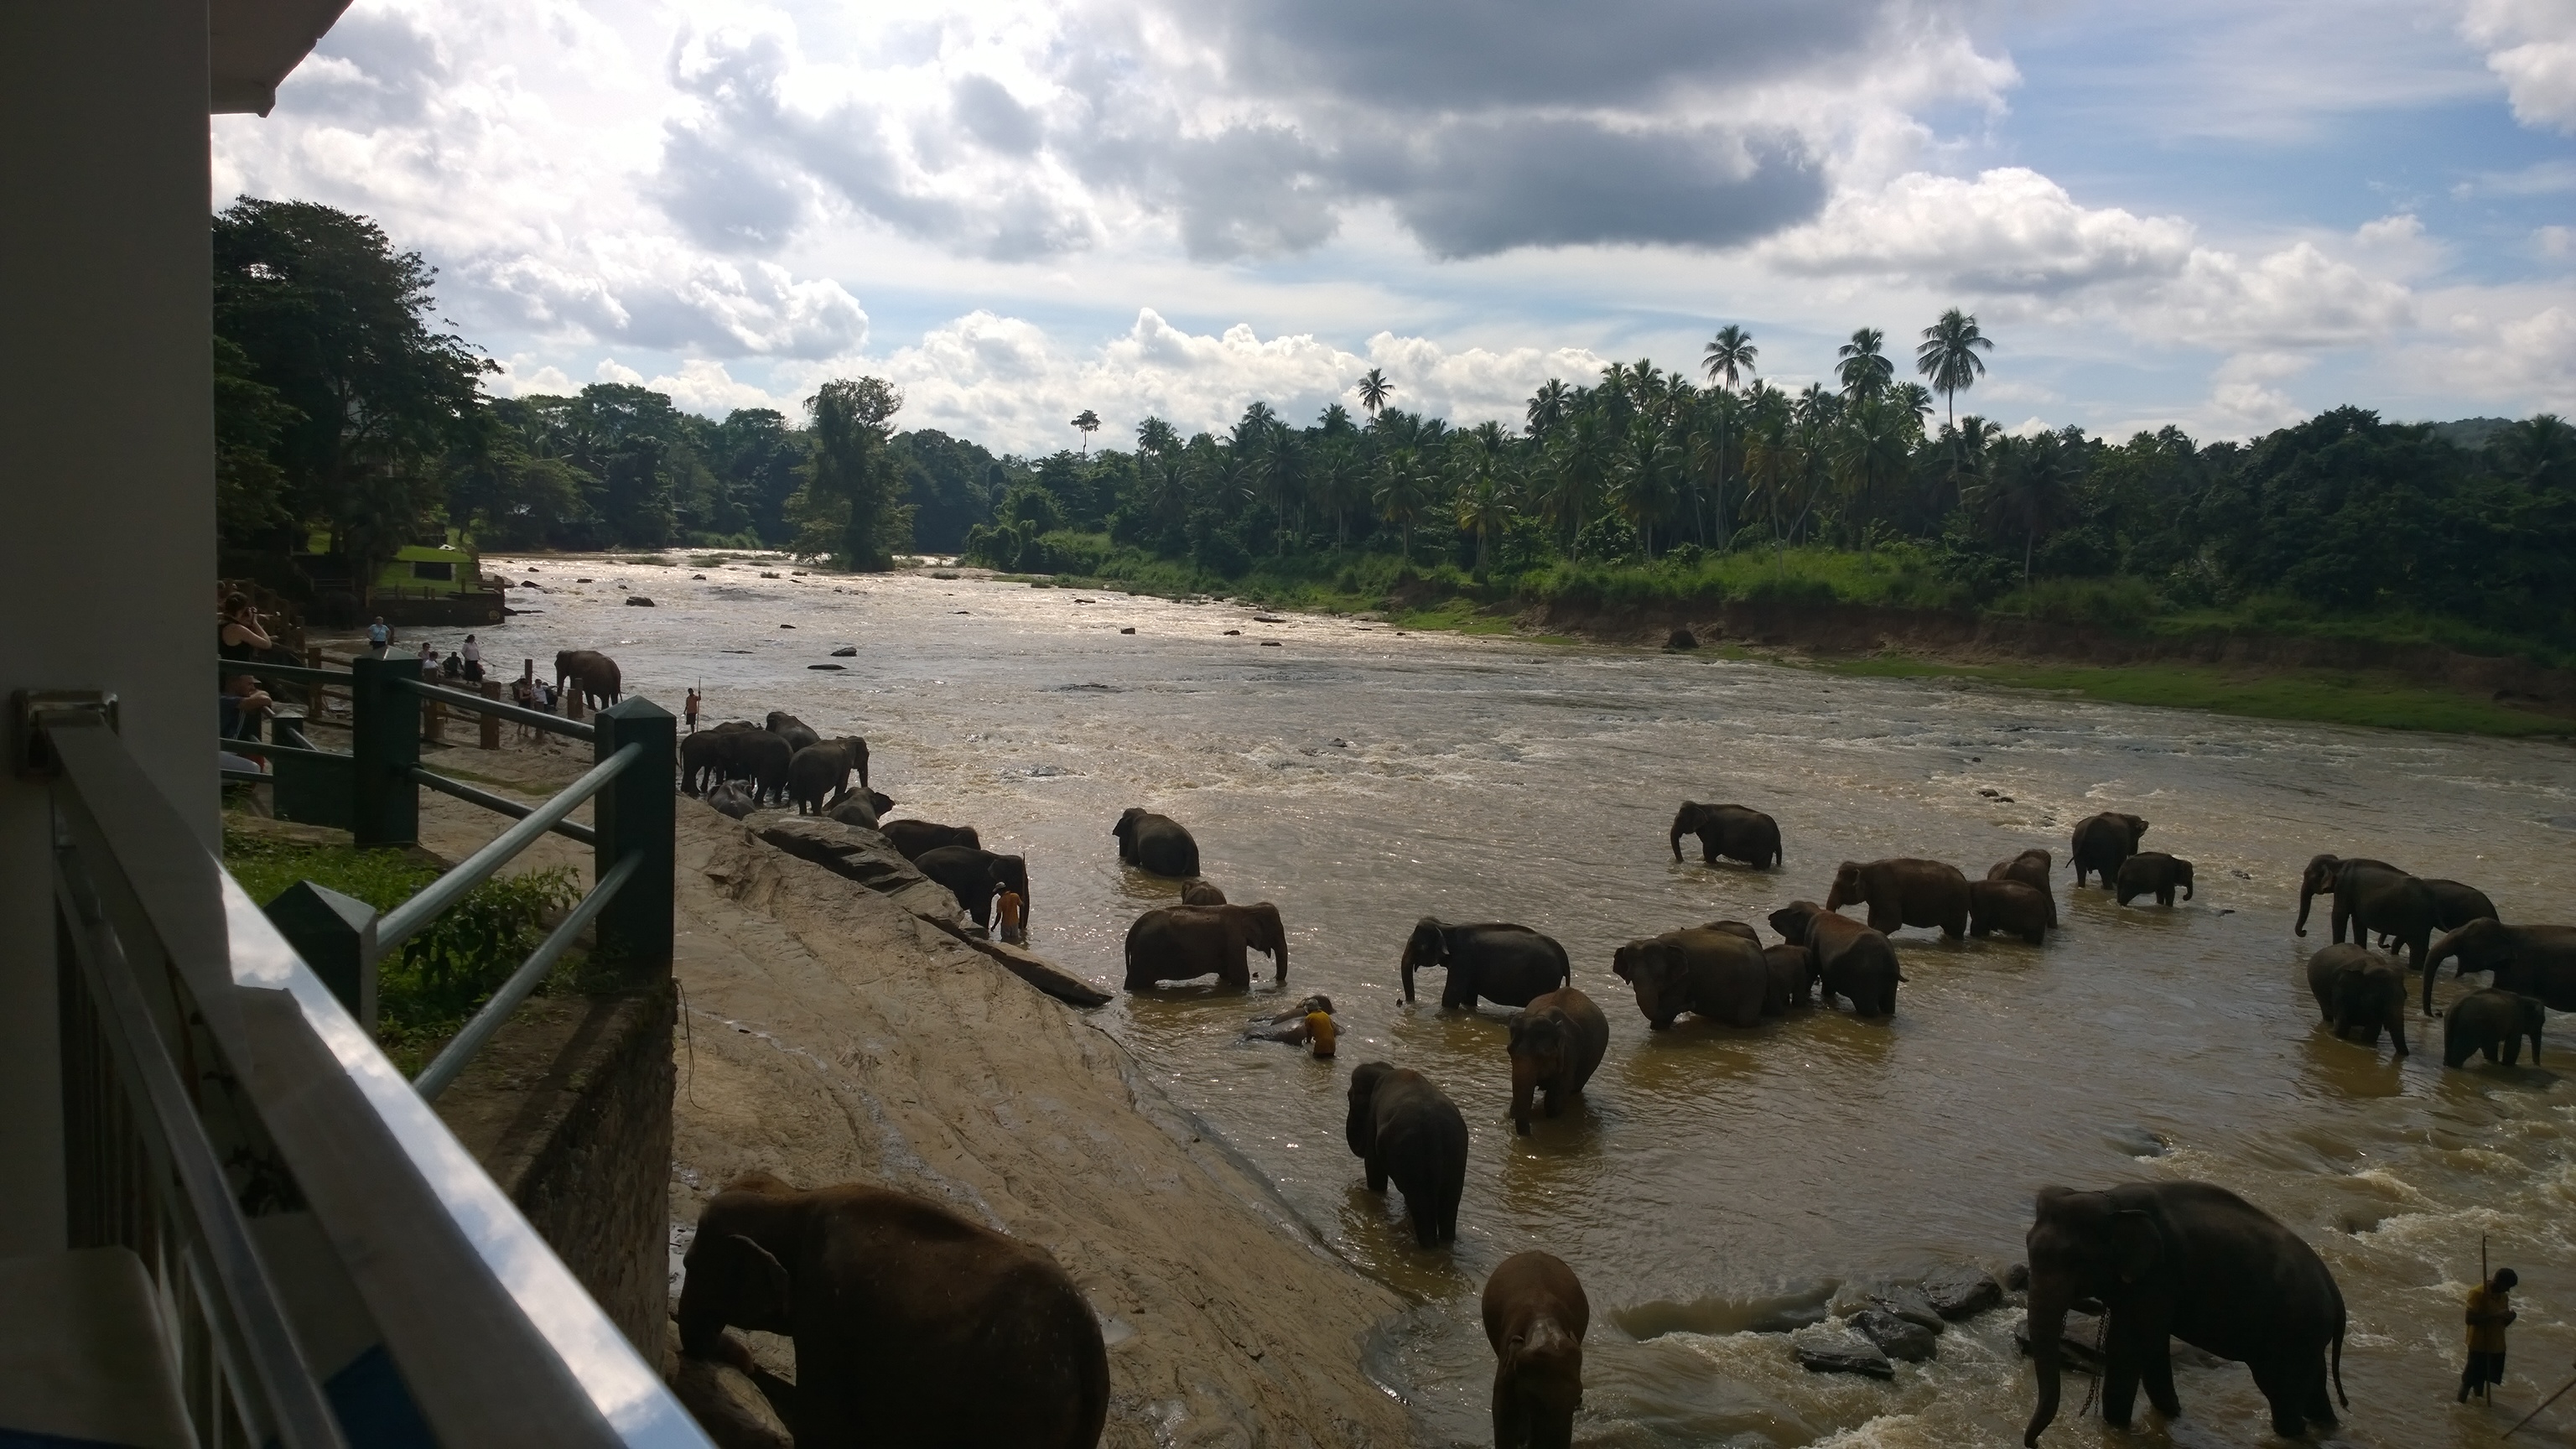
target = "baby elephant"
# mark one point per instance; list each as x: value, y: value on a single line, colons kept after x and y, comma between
x: 2492, y: 1021
x: 2032, y: 868
x: 2153, y: 870
x: 1535, y: 1315
x: 2360, y: 993
x: 1557, y: 1041
x: 1401, y: 1127
x: 2009, y: 906
x: 1201, y: 893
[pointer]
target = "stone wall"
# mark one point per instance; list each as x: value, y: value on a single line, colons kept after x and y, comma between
x: 569, y: 1109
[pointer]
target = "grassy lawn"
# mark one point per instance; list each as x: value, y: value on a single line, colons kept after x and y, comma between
x: 2323, y: 696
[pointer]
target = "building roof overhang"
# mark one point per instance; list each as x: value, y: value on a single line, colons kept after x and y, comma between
x: 253, y: 44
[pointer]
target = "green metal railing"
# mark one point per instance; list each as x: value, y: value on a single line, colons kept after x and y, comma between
x: 373, y: 791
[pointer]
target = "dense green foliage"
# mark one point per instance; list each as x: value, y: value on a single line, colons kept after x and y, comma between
x: 443, y: 974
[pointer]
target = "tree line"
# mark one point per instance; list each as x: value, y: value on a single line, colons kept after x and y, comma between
x: 341, y: 409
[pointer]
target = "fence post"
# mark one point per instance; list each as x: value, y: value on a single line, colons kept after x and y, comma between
x: 329, y: 930
x: 634, y: 816
x: 384, y: 741
x: 491, y: 722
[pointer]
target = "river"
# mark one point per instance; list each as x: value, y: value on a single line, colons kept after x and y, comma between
x: 1719, y: 1190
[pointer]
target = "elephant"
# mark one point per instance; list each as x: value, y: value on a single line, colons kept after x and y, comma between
x: 2187, y: 1260
x: 2454, y: 906
x: 1404, y: 1128
x: 1156, y: 843
x: 912, y: 837
x: 906, y: 1317
x: 703, y: 755
x: 1201, y: 893
x: 788, y: 727
x: 1710, y: 973
x: 732, y: 799
x: 1503, y: 963
x: 1179, y: 943
x: 1851, y: 959
x: 2103, y: 841
x: 1793, y: 977
x: 1904, y: 892
x: 595, y: 672
x: 2008, y: 905
x: 1737, y: 832
x: 2033, y: 868
x: 2153, y: 872
x: 2493, y: 1021
x: 2534, y: 960
x: 817, y: 774
x: 1535, y: 1315
x: 763, y: 759
x: 863, y: 808
x: 2372, y: 895
x: 975, y: 877
x: 1556, y: 1044
x: 2360, y: 993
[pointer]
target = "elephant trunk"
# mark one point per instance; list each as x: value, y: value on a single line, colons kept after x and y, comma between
x: 1411, y: 962
x: 2186, y: 887
x: 1524, y: 1087
x: 2307, y: 896
x: 2047, y: 1325
x: 1677, y: 839
x: 1279, y: 958
x: 2434, y: 955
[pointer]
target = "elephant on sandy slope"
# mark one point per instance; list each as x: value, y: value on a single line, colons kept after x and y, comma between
x: 1496, y: 960
x: 2185, y: 1260
x: 863, y: 808
x: 2534, y: 960
x: 796, y: 732
x: 2371, y: 895
x: 2033, y: 868
x: 728, y: 753
x: 1851, y: 959
x: 2493, y: 1022
x: 2152, y: 872
x: 1556, y: 1044
x: 2103, y: 841
x: 818, y: 773
x: 1904, y: 891
x: 912, y: 837
x: 1404, y: 1129
x: 2360, y: 993
x: 1179, y: 943
x: 1156, y: 843
x: 912, y: 1325
x: 704, y: 753
x: 1737, y: 832
x: 595, y: 672
x: 1710, y: 973
x: 1535, y: 1315
x: 2008, y: 906
x: 976, y: 878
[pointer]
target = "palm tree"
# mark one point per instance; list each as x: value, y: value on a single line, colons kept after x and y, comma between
x: 1644, y: 470
x: 1864, y: 367
x: 1156, y: 436
x: 1948, y: 356
x: 1548, y: 407
x: 1483, y: 503
x: 1579, y: 462
x: 2029, y: 489
x: 1721, y: 416
x: 1088, y: 422
x: 1401, y: 496
x: 1729, y: 357
x: 1374, y: 391
x: 1870, y: 451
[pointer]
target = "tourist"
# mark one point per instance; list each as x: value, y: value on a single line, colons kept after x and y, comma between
x: 244, y: 705
x: 689, y: 711
x: 523, y: 693
x: 453, y: 666
x: 1012, y: 909
x: 473, y: 653
x: 428, y: 661
x: 379, y: 638
x: 239, y: 636
x: 2489, y: 1313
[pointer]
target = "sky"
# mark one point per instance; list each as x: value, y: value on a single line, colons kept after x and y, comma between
x: 2221, y: 215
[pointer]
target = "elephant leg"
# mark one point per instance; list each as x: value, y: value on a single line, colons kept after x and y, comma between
x: 2119, y: 1388
x: 1376, y: 1173
x: 1885, y: 920
x: 2158, y: 1372
x: 2280, y: 1389
x: 2397, y: 1028
x: 2320, y: 1401
x: 2512, y: 1050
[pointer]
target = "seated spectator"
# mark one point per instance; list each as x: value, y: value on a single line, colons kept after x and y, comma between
x: 244, y: 704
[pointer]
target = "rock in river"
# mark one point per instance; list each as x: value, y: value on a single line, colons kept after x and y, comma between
x: 1847, y: 1355
x: 1963, y: 1290
x: 638, y: 601
x: 1894, y: 1336
x: 846, y: 651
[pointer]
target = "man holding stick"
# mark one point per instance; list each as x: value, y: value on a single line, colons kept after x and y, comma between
x: 2489, y: 1314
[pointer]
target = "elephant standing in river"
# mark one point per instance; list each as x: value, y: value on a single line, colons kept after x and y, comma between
x: 1851, y: 959
x: 2152, y: 872
x: 1535, y: 1315
x: 1793, y: 978
x: 975, y: 877
x: 1904, y: 892
x: 2361, y: 993
x: 2372, y: 895
x: 2009, y: 906
x: 1737, y: 832
x: 595, y: 672
x: 1500, y: 962
x: 1181, y: 943
x: 2454, y: 906
x: 2534, y: 960
x: 912, y: 1325
x: 912, y: 837
x: 2103, y: 841
x: 1403, y: 1128
x: 1156, y: 843
x: 1711, y: 973
x: 2183, y: 1260
x: 1556, y: 1044
x: 2492, y: 1021
x: 818, y: 773
x: 2035, y: 869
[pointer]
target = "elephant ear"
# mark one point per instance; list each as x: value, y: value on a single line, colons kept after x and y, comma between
x: 764, y: 1296
x: 2134, y: 1245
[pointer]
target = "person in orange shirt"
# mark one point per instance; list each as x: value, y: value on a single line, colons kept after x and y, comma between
x: 2489, y: 1313
x: 1012, y: 907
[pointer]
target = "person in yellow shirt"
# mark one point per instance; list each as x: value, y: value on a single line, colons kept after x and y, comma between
x: 2489, y: 1313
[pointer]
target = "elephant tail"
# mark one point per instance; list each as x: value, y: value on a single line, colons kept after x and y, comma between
x: 2338, y: 1367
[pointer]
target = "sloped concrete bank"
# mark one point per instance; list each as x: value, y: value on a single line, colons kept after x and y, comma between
x: 836, y: 1033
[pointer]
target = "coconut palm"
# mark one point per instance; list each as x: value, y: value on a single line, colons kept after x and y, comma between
x: 1870, y: 453
x: 2028, y: 490
x: 1644, y: 472
x: 1483, y: 502
x: 1548, y: 407
x: 1729, y: 357
x: 1948, y: 356
x: 1088, y: 423
x: 1578, y: 462
x: 1402, y: 494
x: 1374, y: 391
x: 1864, y: 367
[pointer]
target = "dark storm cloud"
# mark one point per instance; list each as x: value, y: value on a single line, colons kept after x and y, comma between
x: 722, y: 198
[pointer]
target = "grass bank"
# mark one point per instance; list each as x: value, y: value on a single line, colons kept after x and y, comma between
x: 2043, y: 624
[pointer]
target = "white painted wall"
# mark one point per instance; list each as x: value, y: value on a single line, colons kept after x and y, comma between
x: 106, y: 468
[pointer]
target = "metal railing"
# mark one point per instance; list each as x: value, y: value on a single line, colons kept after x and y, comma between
x: 232, y: 1123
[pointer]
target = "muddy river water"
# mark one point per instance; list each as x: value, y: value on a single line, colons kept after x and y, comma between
x: 1720, y: 1192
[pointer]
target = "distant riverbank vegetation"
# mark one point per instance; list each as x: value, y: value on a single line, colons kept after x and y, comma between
x: 340, y: 408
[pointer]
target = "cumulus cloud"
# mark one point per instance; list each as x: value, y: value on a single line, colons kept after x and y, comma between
x: 2009, y: 230
x: 2531, y: 47
x: 2243, y: 395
